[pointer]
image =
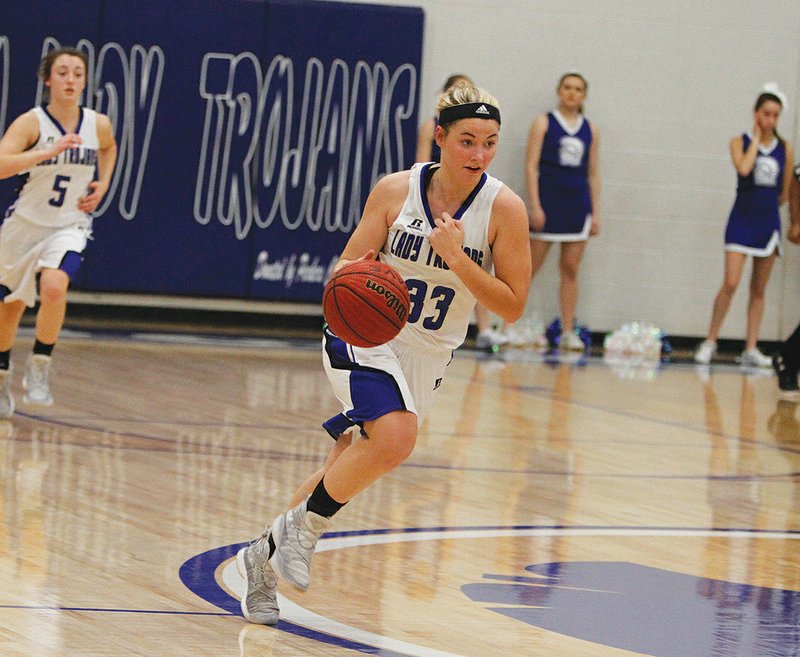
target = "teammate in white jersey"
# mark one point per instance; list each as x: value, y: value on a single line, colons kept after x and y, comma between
x: 457, y: 236
x: 65, y: 155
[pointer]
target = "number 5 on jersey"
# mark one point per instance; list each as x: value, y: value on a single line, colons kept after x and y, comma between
x: 60, y: 189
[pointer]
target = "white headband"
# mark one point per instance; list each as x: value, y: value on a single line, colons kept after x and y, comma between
x: 772, y: 88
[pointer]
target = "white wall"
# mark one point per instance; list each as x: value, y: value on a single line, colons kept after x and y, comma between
x: 670, y: 82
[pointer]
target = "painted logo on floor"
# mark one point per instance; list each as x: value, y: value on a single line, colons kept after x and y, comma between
x: 647, y: 610
x: 617, y: 604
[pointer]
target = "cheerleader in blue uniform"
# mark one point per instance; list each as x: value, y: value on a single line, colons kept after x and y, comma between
x: 564, y: 191
x: 760, y: 159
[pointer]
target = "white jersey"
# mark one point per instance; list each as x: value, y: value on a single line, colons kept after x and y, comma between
x: 441, y: 304
x: 51, y: 189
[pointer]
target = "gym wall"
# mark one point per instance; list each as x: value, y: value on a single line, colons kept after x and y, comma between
x: 670, y: 83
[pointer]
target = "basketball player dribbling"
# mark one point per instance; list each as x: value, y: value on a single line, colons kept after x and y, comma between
x: 464, y: 225
x: 428, y: 151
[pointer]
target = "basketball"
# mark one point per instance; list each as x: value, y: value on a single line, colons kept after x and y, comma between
x: 366, y: 303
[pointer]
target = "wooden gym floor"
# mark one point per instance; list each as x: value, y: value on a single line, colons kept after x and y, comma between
x: 551, y: 507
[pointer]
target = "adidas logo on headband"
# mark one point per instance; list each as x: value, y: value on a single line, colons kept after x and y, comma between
x: 469, y: 111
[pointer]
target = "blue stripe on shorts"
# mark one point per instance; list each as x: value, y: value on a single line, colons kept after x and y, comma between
x: 373, y: 392
x: 70, y: 263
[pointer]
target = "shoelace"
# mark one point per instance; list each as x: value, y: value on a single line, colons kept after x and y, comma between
x: 306, y: 539
x: 260, y: 545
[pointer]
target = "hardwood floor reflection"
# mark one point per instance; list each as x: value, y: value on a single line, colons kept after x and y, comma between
x: 550, y: 507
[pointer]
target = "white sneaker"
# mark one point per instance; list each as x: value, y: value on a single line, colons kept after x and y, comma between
x: 705, y: 352
x: 295, y: 534
x: 6, y: 397
x: 490, y: 338
x: 754, y: 358
x: 571, y: 342
x: 260, y: 599
x: 36, y: 381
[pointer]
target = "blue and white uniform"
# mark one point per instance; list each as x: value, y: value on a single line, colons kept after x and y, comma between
x: 403, y: 374
x: 754, y: 224
x: 44, y: 228
x: 563, y: 180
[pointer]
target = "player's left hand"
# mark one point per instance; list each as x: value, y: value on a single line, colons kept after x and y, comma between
x: 594, y: 229
x: 90, y: 202
x: 447, y: 239
x: 794, y: 233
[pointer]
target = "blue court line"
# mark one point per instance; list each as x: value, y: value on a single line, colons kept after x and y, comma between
x: 197, y: 574
x: 443, y: 529
x: 114, y: 611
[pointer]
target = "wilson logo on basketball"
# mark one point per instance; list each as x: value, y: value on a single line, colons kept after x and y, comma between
x: 392, y: 301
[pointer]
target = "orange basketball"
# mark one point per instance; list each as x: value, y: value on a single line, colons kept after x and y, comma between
x: 366, y: 303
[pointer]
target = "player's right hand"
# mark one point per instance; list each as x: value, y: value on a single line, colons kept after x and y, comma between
x: 69, y: 140
x: 369, y: 255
